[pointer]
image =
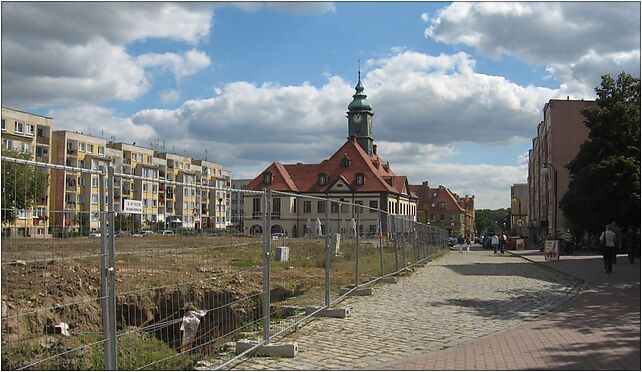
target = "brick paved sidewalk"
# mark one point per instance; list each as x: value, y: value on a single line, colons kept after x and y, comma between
x: 598, y: 330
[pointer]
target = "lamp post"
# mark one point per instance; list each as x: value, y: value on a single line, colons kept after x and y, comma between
x: 545, y: 168
x: 220, y: 207
x: 519, y: 213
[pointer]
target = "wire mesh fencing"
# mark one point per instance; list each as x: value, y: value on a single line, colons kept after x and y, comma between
x: 52, y: 297
x: 149, y: 268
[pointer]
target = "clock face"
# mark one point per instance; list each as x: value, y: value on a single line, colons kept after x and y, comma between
x: 356, y: 118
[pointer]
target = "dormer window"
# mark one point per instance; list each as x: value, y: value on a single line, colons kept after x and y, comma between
x: 359, y: 178
x: 267, y: 178
x: 323, y: 179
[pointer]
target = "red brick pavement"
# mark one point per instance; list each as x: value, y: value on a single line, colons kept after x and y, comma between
x: 598, y: 330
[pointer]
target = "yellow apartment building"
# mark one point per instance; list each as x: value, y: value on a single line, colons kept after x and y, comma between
x: 30, y: 134
x: 75, y: 195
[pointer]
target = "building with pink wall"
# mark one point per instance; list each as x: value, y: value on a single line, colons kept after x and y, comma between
x: 558, y: 141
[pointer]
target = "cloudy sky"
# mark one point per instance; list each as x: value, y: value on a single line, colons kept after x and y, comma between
x: 457, y: 88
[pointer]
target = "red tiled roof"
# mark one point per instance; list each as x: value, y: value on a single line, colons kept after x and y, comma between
x: 426, y: 198
x: 304, y: 177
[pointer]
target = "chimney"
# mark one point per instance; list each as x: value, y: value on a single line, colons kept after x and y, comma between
x: 374, y: 149
x: 425, y: 184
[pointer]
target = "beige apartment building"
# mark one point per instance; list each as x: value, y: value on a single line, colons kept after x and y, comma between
x: 214, y: 205
x: 75, y: 202
x: 558, y: 141
x: 29, y: 134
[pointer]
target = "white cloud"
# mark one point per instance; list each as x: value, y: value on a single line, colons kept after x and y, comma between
x: 170, y: 96
x: 578, y: 42
x: 181, y: 66
x: 100, y: 121
x: 75, y: 53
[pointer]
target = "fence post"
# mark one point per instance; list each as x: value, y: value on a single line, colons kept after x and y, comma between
x: 111, y: 248
x: 395, y: 243
x: 403, y: 242
x: 413, y: 236
x: 328, y: 252
x: 267, y: 237
x: 104, y: 291
x: 358, y: 240
x: 380, y: 242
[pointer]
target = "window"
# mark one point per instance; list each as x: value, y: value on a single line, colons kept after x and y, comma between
x: 334, y: 207
x: 293, y: 205
x: 374, y: 204
x: 323, y: 179
x: 441, y: 217
x: 94, y: 181
x: 90, y: 148
x: 154, y: 203
x: 25, y: 147
x: 4, y: 125
x: 19, y: 127
x: 276, y: 205
x: 372, y: 229
x: 345, y: 162
x: 442, y: 205
x: 94, y: 198
x: 40, y: 212
x: 29, y: 129
x: 307, y: 206
x: 22, y: 214
x: 81, y: 146
x: 101, y: 150
x: 434, y: 194
x: 267, y: 178
x: 344, y: 207
x: 359, y: 178
x: 452, y: 217
x: 256, y: 207
x: 359, y: 207
x: 6, y: 144
x: 321, y: 206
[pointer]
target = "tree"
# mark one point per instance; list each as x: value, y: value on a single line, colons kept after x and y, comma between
x: 491, y: 219
x: 21, y: 186
x: 605, y: 174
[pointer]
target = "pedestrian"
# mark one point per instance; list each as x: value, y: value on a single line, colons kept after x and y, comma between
x: 468, y: 245
x: 461, y: 246
x: 569, y: 242
x: 630, y: 241
x: 608, y: 243
x: 502, y: 242
x: 618, y: 240
x: 495, y: 243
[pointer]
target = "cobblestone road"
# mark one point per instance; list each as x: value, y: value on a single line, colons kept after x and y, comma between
x: 454, y: 299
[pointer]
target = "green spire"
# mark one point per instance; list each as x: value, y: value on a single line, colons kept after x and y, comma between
x: 359, y: 101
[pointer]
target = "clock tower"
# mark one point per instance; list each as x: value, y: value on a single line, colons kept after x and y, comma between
x: 360, y: 119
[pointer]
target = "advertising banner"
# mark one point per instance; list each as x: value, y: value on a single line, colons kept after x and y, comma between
x: 551, y: 251
x: 519, y: 244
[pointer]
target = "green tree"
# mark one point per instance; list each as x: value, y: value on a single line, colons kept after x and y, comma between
x: 492, y: 219
x: 605, y: 174
x: 21, y: 186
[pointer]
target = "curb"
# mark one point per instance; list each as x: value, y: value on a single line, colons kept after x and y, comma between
x: 584, y: 282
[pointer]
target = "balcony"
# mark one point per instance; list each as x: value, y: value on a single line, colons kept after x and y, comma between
x: 72, y: 152
x: 43, y: 140
x: 70, y: 205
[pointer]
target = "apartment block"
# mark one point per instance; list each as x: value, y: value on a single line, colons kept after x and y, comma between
x: 139, y: 161
x: 75, y: 194
x: 558, y: 140
x: 29, y: 134
x: 215, y: 204
x: 238, y: 202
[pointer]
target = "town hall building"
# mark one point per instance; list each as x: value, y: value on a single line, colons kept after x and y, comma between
x: 355, y: 173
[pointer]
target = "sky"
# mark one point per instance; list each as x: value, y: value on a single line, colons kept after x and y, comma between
x: 457, y: 88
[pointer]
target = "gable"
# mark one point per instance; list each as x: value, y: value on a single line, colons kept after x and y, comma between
x: 341, y: 184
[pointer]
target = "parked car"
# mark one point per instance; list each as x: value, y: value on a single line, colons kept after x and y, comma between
x: 121, y: 234
x: 95, y: 234
x: 167, y: 233
x: 277, y: 236
x: 143, y: 233
x: 486, y: 242
x: 452, y: 241
x: 478, y: 240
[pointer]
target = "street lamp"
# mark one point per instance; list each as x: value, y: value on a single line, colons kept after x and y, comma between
x: 545, y: 169
x: 220, y: 207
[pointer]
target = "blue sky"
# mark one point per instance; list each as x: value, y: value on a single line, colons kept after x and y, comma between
x: 457, y: 88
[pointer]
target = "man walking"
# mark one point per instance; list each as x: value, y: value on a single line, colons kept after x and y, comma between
x: 495, y: 242
x: 607, y: 239
x: 630, y: 241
